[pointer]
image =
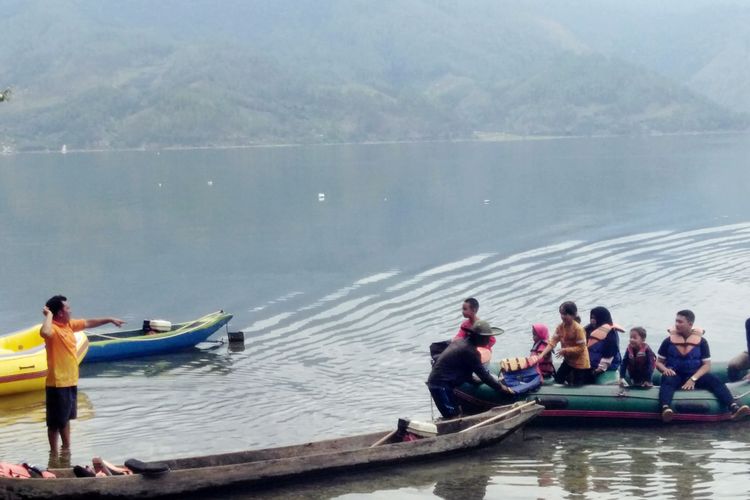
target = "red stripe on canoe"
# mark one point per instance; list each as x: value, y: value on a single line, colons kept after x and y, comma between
x: 38, y: 374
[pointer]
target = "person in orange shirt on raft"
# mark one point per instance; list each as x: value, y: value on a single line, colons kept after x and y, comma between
x: 62, y: 366
x: 571, y: 335
x: 469, y: 310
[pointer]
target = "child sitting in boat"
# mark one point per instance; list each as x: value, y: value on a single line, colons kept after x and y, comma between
x: 540, y: 336
x: 639, y: 361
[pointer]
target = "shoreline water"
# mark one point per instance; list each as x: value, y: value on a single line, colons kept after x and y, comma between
x: 482, y: 137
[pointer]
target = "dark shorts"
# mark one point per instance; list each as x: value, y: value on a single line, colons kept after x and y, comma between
x: 62, y: 406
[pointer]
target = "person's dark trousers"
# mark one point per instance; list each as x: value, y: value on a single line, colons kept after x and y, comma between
x: 445, y: 400
x: 565, y: 371
x: 709, y: 381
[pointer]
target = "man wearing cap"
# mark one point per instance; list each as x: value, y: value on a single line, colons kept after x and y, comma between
x: 456, y: 365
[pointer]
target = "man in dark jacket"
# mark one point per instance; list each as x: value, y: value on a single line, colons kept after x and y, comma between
x: 456, y: 365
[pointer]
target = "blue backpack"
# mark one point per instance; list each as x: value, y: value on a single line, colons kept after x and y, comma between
x: 519, y: 377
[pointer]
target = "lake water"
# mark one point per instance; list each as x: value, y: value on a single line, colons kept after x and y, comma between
x: 343, y: 263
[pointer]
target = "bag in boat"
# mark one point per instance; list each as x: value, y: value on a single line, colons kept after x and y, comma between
x: 437, y: 348
x: 520, y: 375
x: 412, y: 430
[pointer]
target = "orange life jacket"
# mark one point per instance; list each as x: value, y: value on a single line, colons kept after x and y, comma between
x: 685, y: 345
x: 601, y: 333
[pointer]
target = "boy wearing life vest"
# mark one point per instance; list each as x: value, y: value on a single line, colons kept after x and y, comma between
x: 685, y: 362
x: 639, y: 361
x: 469, y: 310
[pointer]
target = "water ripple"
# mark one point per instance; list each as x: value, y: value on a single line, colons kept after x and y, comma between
x: 356, y: 357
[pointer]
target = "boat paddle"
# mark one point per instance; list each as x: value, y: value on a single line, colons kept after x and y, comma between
x: 490, y: 420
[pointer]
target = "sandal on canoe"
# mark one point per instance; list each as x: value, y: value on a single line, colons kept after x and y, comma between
x: 146, y: 468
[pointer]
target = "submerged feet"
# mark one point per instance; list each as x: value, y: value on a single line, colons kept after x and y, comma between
x: 666, y: 414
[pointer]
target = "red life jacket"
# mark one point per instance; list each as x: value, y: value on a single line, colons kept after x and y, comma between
x: 20, y: 471
x: 638, y: 362
x: 14, y: 470
x: 544, y: 365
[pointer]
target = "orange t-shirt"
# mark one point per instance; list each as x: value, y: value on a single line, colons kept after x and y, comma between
x: 573, y: 339
x: 62, y: 358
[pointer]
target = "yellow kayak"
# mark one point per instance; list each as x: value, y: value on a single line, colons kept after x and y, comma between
x: 23, y: 360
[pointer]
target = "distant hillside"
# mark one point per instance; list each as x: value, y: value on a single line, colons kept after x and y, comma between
x: 704, y: 44
x: 93, y: 74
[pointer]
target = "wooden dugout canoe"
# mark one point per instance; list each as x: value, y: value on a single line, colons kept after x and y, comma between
x: 23, y: 360
x: 261, y: 468
x: 126, y: 344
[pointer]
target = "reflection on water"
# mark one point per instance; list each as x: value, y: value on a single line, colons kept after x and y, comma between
x: 28, y: 408
x: 60, y: 460
x: 680, y: 462
x: 460, y: 488
x: 191, y: 360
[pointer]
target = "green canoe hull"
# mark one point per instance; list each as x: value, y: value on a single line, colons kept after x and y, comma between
x: 608, y: 401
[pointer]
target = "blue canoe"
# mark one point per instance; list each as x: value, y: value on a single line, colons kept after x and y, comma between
x: 115, y: 345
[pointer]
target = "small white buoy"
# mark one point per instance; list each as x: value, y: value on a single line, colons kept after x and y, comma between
x: 159, y: 184
x: 210, y: 183
x: 385, y: 199
x: 321, y: 197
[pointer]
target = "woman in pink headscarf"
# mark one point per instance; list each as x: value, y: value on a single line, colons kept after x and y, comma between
x: 540, y: 335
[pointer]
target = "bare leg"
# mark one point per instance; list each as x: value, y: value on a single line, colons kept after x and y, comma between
x: 64, y: 458
x: 54, y: 460
x: 65, y: 434
x: 52, y: 437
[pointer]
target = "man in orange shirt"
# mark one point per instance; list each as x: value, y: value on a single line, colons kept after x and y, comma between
x: 58, y: 331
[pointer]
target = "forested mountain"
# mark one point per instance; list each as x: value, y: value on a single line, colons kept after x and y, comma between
x: 105, y: 74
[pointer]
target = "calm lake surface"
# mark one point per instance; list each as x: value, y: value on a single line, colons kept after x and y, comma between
x: 343, y: 263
